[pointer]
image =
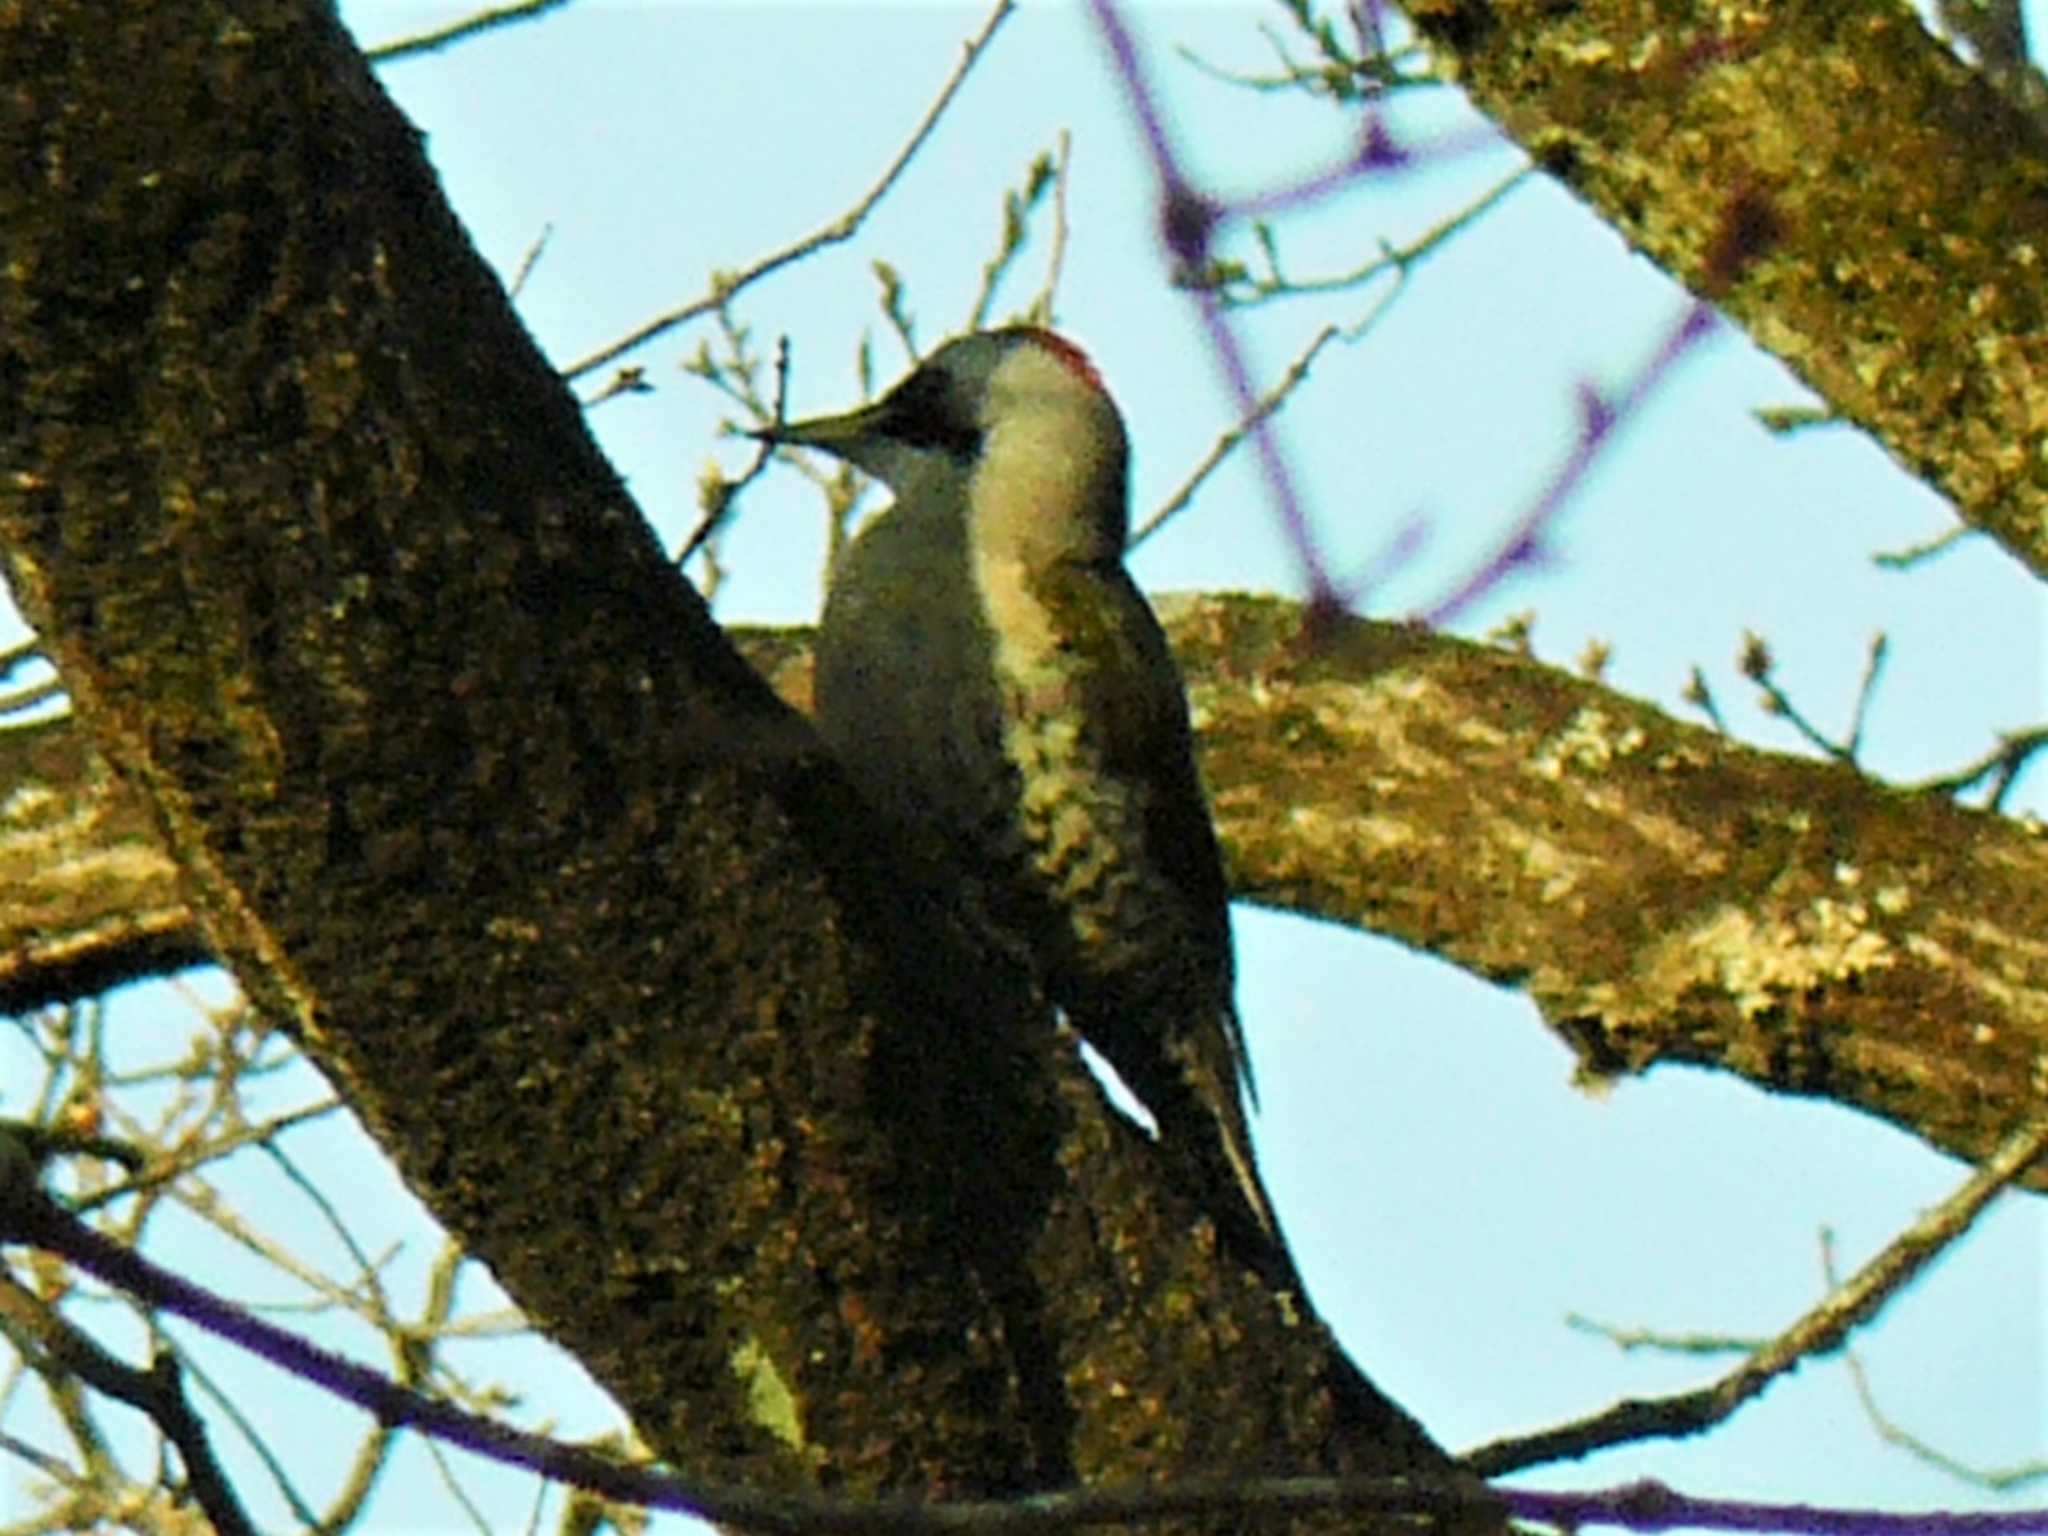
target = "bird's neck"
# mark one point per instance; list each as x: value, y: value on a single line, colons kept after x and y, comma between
x: 1046, y: 491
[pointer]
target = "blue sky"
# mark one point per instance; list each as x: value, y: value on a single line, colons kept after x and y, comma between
x: 1451, y: 1195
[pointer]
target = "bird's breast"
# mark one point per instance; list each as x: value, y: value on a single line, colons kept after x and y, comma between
x: 1078, y: 827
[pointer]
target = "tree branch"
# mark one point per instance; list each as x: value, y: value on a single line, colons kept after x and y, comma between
x: 1662, y: 893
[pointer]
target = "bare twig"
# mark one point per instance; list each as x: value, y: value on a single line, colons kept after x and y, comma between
x: 224, y: 1402
x: 1892, y: 1434
x: 28, y: 1216
x: 530, y: 260
x: 1926, y: 549
x: 1041, y: 309
x: 458, y: 31
x: 1019, y: 204
x: 1400, y: 260
x: 157, y: 1392
x: 27, y: 698
x: 1873, y: 665
x: 724, y: 285
x: 1757, y: 664
x: 1819, y: 1332
x: 163, y: 1171
x: 1667, y: 1343
x: 719, y: 498
x: 18, y: 655
x: 1233, y: 435
x: 2003, y: 765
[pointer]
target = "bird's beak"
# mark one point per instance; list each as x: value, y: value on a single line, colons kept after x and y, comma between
x: 834, y: 434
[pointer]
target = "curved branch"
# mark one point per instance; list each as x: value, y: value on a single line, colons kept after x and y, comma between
x: 1663, y: 893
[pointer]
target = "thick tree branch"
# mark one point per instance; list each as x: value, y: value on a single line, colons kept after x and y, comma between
x: 1895, y: 205
x: 1663, y: 893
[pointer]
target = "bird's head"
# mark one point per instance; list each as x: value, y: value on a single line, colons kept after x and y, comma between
x: 1010, y: 429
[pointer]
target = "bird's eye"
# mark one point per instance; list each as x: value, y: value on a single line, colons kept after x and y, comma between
x: 925, y: 414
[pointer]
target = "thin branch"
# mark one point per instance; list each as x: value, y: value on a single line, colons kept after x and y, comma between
x: 1651, y: 1506
x: 1041, y: 309
x: 1914, y: 554
x: 27, y: 698
x: 157, y: 1392
x: 2007, y: 761
x: 1527, y: 541
x: 1397, y: 259
x: 1865, y: 692
x: 725, y: 285
x: 1628, y: 1339
x: 1188, y: 221
x: 225, y: 1403
x: 529, y: 261
x: 164, y: 1171
x: 718, y: 497
x: 1228, y: 441
x: 1819, y: 1332
x: 27, y: 1215
x: 18, y: 655
x: 2001, y: 1478
x: 458, y: 31
x: 1018, y: 208
x: 1757, y: 664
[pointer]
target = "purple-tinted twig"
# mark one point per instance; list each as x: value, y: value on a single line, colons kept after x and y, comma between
x: 1189, y: 221
x: 1232, y: 436
x: 1392, y: 557
x: 1651, y: 1506
x: 1187, y: 224
x: 1377, y: 153
x: 1599, y: 419
x: 28, y: 1216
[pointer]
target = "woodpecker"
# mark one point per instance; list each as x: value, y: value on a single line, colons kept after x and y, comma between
x: 1002, y: 695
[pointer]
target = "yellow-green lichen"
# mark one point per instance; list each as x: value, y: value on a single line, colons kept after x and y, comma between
x: 769, y: 1401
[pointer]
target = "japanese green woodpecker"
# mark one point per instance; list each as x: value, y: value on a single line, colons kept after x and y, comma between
x: 1002, y: 695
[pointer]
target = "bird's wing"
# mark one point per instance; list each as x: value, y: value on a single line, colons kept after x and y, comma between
x: 1130, y: 685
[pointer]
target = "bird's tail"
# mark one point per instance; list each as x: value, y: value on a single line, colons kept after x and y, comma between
x: 1192, y: 1088
x: 1215, y: 1142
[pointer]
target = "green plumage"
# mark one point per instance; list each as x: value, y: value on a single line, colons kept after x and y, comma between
x: 1002, y: 695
